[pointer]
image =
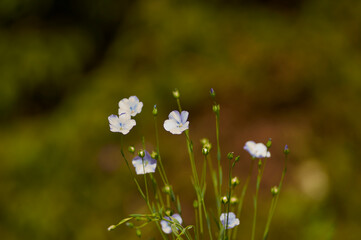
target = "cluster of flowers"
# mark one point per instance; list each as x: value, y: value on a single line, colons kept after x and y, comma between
x: 176, y: 123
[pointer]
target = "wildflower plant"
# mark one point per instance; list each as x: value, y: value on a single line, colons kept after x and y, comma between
x: 217, y: 218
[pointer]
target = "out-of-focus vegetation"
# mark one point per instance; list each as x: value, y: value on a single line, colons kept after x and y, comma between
x: 289, y: 70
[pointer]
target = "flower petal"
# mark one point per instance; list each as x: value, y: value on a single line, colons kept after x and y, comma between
x: 175, y: 115
x: 184, y: 116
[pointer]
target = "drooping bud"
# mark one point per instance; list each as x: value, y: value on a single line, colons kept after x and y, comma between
x: 286, y: 150
x: 269, y: 143
x: 237, y: 158
x: 224, y: 200
x: 205, y: 151
x: 155, y: 110
x: 131, y: 149
x: 212, y: 93
x: 141, y: 153
x: 274, y: 191
x: 235, y: 181
x: 230, y: 155
x: 176, y: 94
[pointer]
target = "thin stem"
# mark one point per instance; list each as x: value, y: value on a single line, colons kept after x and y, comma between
x: 243, y: 194
x: 219, y: 159
x: 259, y: 178
x: 275, y: 200
x: 162, y: 171
x: 229, y: 193
x: 139, y: 188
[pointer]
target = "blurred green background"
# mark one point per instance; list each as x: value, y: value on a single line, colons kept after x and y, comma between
x: 289, y: 70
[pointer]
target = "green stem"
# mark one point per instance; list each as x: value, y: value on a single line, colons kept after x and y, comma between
x: 274, y: 201
x: 243, y: 194
x: 229, y: 193
x: 219, y: 159
x: 259, y: 178
x: 162, y: 171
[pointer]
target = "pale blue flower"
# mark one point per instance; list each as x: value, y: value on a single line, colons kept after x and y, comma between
x: 145, y: 165
x: 232, y: 220
x: 121, y: 124
x: 257, y: 150
x: 177, y: 122
x: 166, y: 226
x: 130, y: 106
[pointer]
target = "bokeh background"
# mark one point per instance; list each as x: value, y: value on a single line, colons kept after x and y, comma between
x: 289, y: 70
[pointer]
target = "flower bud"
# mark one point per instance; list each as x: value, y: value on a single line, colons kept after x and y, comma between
x: 237, y: 158
x: 205, y: 151
x: 112, y: 227
x: 176, y: 94
x: 269, y: 143
x: 129, y: 224
x: 138, y: 233
x: 216, y: 108
x: 212, y: 93
x: 224, y: 200
x: 274, y: 191
x: 195, y: 203
x: 286, y: 150
x: 230, y: 155
x: 166, y: 189
x: 154, y: 155
x: 141, y: 153
x: 234, y: 200
x: 131, y: 149
x: 169, y: 212
x: 235, y: 181
x: 155, y: 110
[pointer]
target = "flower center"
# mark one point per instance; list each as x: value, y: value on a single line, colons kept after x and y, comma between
x: 180, y: 125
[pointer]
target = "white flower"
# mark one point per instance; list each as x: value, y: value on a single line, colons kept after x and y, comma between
x: 232, y: 220
x: 145, y: 165
x: 166, y: 226
x: 131, y: 106
x: 121, y: 124
x: 257, y: 150
x: 177, y: 122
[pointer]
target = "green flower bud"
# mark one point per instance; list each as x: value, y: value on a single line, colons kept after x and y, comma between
x: 235, y: 181
x: 230, y: 155
x: 138, y: 233
x: 195, y: 203
x: 169, y: 212
x: 216, y: 108
x: 176, y: 94
x: 129, y: 224
x: 204, y: 141
x: 274, y: 191
x: 167, y: 189
x: 155, y: 110
x: 269, y: 143
x: 224, y: 200
x: 154, y: 155
x: 141, y: 153
x: 131, y: 149
x: 234, y: 200
x: 237, y: 158
x: 112, y: 227
x: 205, y: 151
